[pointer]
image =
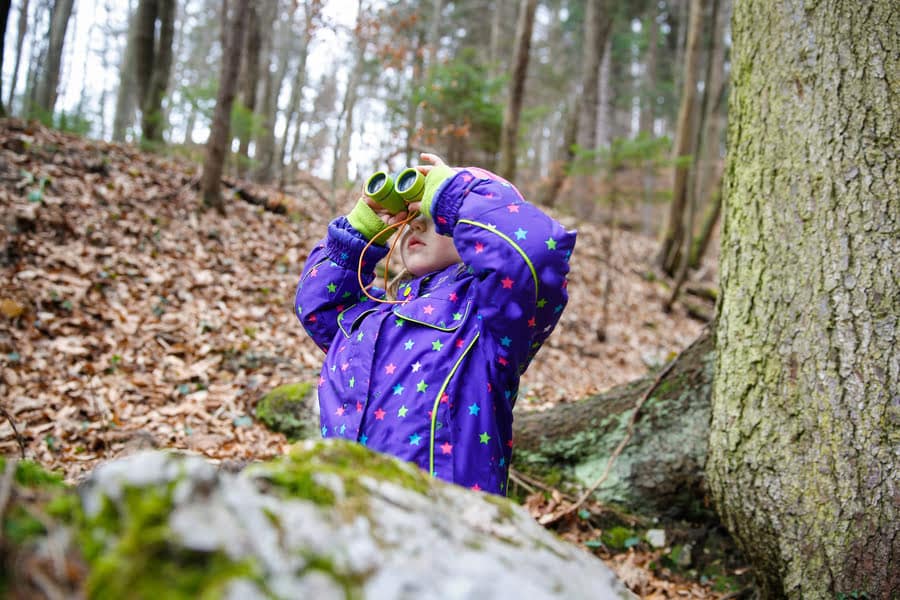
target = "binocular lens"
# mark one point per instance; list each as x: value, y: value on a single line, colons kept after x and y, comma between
x: 376, y: 182
x: 406, y: 180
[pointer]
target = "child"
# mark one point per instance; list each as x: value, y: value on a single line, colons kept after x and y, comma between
x: 432, y: 378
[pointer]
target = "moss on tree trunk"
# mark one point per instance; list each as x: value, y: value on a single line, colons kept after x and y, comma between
x: 660, y: 471
x: 803, y: 457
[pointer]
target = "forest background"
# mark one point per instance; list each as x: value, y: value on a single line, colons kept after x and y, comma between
x: 612, y: 115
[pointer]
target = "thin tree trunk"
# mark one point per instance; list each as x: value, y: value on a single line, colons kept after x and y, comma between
x: 673, y: 239
x: 265, y: 144
x: 510, y: 131
x: 4, y: 17
x: 292, y: 113
x: 341, y: 156
x: 20, y: 43
x: 250, y: 80
x: 220, y: 136
x: 803, y: 464
x: 566, y: 154
x: 713, y: 91
x: 597, y: 24
x: 151, y: 105
x: 38, y: 54
x: 126, y: 94
x: 647, y: 118
x: 701, y: 242
x: 145, y: 40
x: 45, y: 99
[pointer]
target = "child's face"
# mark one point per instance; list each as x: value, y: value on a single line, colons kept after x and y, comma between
x: 424, y: 251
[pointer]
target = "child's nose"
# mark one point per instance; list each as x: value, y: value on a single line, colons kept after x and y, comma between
x: 418, y: 224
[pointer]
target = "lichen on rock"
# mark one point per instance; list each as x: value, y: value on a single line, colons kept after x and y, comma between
x: 330, y: 519
x: 290, y: 409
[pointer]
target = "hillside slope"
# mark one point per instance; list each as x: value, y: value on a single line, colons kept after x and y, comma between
x: 129, y: 318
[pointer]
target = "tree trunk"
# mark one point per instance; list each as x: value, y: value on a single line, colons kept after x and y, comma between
x: 710, y: 219
x: 706, y: 170
x: 250, y: 80
x: 265, y: 144
x: 647, y: 119
x: 45, y: 99
x: 803, y: 462
x: 597, y: 24
x: 220, y: 133
x: 151, y: 101
x: 673, y: 239
x: 510, y: 130
x: 145, y: 40
x: 660, y: 471
x: 292, y: 113
x: 20, y: 43
x: 341, y: 156
x: 560, y: 167
x: 4, y: 17
x: 127, y: 92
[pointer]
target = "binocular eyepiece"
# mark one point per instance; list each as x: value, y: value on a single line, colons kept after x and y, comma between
x: 394, y: 193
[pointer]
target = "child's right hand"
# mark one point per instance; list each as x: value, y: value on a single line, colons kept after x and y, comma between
x: 383, y: 213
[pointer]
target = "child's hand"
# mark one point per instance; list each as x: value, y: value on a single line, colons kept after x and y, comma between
x: 383, y: 213
x: 434, y: 159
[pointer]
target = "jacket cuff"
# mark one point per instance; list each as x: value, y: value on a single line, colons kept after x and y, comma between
x: 344, y: 244
x: 363, y: 219
x: 433, y: 181
x: 448, y: 200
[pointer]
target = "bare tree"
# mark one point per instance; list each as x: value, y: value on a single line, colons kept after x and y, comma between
x: 510, y: 131
x: 4, y: 17
x: 153, y: 36
x: 20, y: 43
x: 46, y: 93
x: 673, y: 239
x: 220, y: 133
x: 250, y: 78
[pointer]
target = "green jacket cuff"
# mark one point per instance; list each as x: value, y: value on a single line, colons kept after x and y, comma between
x: 364, y: 220
x: 433, y: 181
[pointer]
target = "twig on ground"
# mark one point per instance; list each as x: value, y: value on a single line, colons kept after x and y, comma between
x: 12, y: 423
x: 555, y: 516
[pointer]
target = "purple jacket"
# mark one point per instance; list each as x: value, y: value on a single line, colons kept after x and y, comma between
x: 434, y: 380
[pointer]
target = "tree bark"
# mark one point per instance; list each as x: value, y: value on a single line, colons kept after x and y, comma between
x: 4, y: 17
x: 559, y: 168
x: 20, y: 43
x: 660, y: 471
x: 45, y: 99
x: 145, y: 40
x: 673, y: 239
x: 250, y: 79
x: 510, y: 130
x: 220, y: 133
x: 265, y: 144
x: 151, y: 101
x: 597, y: 24
x: 803, y: 462
x: 127, y: 92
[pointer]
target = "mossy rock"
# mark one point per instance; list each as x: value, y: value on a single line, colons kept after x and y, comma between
x: 290, y: 409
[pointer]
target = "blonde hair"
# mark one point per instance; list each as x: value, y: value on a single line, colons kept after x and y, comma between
x: 392, y: 291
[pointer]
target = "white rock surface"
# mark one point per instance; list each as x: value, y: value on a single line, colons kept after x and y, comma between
x: 382, y: 541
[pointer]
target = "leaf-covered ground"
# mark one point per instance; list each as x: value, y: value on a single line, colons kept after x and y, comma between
x: 130, y: 318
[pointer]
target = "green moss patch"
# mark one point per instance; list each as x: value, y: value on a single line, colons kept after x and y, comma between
x: 287, y: 409
x: 132, y: 553
x: 305, y: 472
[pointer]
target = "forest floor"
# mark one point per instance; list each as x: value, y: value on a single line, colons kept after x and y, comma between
x: 130, y: 319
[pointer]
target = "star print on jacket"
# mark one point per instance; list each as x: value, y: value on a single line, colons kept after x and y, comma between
x: 434, y: 380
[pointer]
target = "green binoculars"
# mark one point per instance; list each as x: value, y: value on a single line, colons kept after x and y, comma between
x: 393, y: 193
